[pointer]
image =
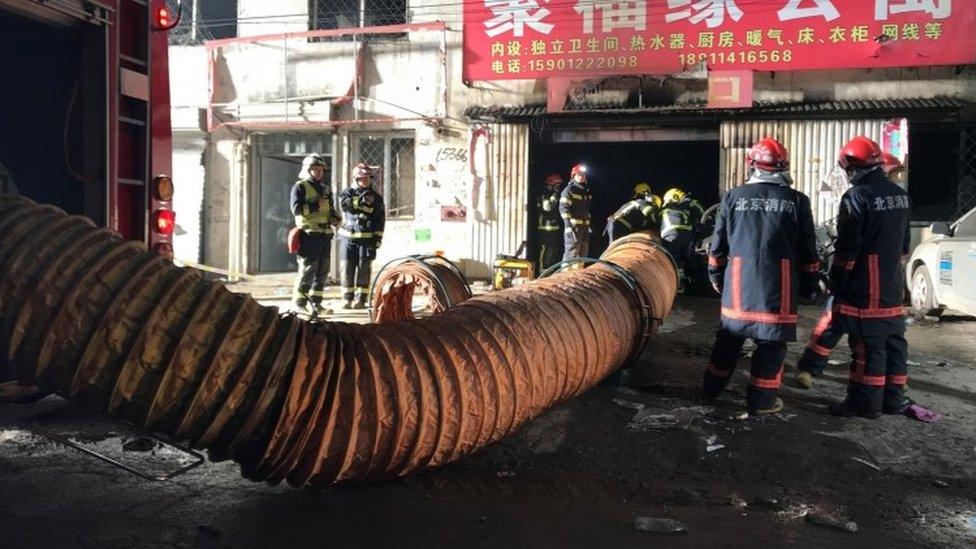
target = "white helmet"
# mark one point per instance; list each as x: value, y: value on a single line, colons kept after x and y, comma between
x: 314, y: 159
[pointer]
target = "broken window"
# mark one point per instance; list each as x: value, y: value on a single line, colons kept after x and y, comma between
x: 392, y: 155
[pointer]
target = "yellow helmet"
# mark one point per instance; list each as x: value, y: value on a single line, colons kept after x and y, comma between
x: 656, y: 200
x: 673, y: 195
x: 641, y: 189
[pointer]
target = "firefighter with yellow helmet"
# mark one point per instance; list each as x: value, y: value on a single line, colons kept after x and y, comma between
x: 642, y: 213
x: 679, y: 220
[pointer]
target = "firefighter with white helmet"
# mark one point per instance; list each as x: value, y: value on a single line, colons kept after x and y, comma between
x: 363, y: 218
x: 315, y: 215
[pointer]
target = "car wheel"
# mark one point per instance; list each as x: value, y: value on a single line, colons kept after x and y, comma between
x: 923, y: 294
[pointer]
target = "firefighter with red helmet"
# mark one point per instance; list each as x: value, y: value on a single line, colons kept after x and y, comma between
x: 574, y: 207
x: 312, y: 206
x: 894, y: 169
x: 825, y: 337
x: 550, y: 225
x: 868, y: 282
x: 363, y: 218
x: 763, y: 251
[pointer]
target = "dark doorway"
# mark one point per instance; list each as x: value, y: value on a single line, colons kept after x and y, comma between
x: 614, y: 168
x: 941, y: 170
x: 55, y: 85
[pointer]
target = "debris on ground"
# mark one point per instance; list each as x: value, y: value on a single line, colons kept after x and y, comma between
x: 660, y: 525
x: 505, y: 474
x: 140, y: 444
x: 628, y: 404
x: 679, y: 417
x: 922, y: 413
x: 866, y: 462
x: 833, y: 522
x: 712, y: 444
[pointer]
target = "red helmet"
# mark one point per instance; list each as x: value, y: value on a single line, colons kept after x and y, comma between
x: 554, y: 180
x: 579, y: 168
x: 860, y: 152
x: 362, y: 170
x: 769, y: 154
x: 890, y: 163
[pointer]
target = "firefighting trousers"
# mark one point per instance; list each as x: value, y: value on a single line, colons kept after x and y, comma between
x: 879, y: 371
x: 357, y: 260
x: 313, y: 269
x: 823, y: 340
x: 576, y: 243
x: 678, y: 243
x: 767, y: 368
x: 550, y: 249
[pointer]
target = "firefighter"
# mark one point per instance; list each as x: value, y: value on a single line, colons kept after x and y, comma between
x: 315, y: 215
x: 894, y: 169
x: 825, y: 337
x: 763, y: 248
x: 867, y: 281
x: 679, y: 222
x: 642, y: 213
x: 550, y: 224
x: 574, y: 207
x: 363, y: 218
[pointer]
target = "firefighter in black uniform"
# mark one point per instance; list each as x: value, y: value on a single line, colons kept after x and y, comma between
x: 642, y: 213
x: 680, y: 219
x: 363, y: 218
x: 825, y: 337
x: 312, y: 206
x: 550, y: 224
x: 868, y: 283
x: 763, y: 248
x: 574, y: 207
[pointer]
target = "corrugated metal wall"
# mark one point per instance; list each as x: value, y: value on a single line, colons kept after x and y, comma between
x: 502, y: 224
x: 813, y: 146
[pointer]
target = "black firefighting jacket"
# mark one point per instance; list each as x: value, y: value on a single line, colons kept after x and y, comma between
x: 763, y: 246
x: 866, y: 277
x: 684, y: 215
x: 363, y: 216
x: 574, y: 207
x: 637, y: 215
x: 548, y: 205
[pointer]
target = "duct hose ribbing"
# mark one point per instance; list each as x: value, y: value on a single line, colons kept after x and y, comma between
x: 100, y: 320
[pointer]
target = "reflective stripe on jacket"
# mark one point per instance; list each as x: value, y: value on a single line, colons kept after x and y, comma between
x: 310, y: 216
x: 549, y: 218
x: 763, y: 247
x: 873, y: 238
x: 574, y: 206
x: 363, y: 215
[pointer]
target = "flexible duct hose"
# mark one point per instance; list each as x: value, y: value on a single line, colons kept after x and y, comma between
x: 93, y: 318
x: 434, y: 276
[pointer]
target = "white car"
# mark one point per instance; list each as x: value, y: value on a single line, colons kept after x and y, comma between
x: 941, y: 272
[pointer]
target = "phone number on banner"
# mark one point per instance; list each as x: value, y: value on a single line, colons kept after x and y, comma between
x: 582, y: 63
x: 752, y: 56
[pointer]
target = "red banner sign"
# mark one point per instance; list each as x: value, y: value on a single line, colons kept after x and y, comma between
x: 509, y: 39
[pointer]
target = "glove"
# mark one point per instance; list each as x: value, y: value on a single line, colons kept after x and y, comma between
x: 377, y: 242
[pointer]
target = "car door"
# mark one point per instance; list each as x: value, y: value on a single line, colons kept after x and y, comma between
x: 957, y: 262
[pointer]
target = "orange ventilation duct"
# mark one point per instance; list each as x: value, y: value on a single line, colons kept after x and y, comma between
x: 96, y: 319
x: 435, y: 277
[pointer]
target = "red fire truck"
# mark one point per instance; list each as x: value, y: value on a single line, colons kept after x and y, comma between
x: 85, y: 111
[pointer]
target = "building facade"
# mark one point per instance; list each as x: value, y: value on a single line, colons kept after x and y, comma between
x: 460, y: 161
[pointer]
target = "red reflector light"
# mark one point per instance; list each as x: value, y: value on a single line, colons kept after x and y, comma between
x: 164, y: 249
x: 165, y: 222
x: 162, y: 17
